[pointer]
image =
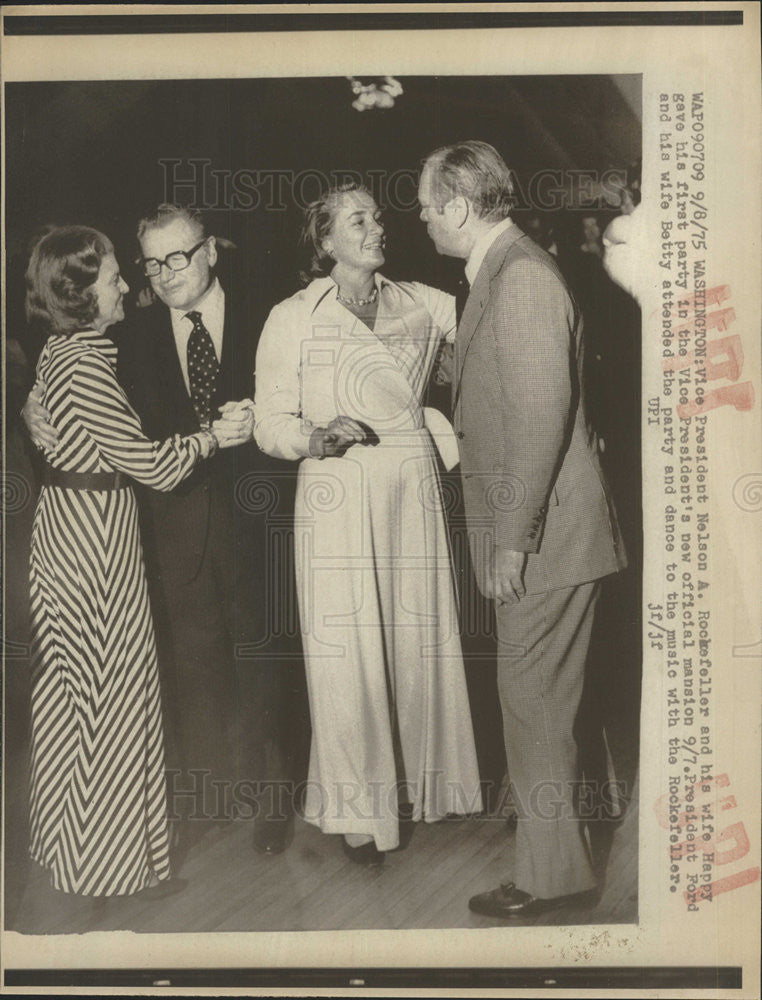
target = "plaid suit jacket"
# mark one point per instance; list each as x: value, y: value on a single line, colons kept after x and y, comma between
x: 532, y: 479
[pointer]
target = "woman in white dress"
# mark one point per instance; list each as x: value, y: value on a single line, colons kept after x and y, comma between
x: 342, y: 367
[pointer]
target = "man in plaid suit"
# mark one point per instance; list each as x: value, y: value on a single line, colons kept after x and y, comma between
x: 541, y: 522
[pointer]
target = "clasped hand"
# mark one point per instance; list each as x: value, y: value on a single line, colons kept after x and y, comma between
x: 235, y: 425
x: 332, y: 441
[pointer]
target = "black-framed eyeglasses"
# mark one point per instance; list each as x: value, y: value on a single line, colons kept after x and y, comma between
x: 178, y: 260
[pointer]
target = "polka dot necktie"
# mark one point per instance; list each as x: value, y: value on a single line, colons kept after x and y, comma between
x: 203, y: 367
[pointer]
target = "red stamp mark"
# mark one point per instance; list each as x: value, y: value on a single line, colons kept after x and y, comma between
x: 714, y: 360
x: 704, y: 842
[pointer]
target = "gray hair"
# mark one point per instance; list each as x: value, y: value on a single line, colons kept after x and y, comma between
x: 166, y: 213
x: 476, y: 171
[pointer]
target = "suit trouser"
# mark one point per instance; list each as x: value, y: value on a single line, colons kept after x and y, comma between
x: 542, y: 647
x: 225, y: 692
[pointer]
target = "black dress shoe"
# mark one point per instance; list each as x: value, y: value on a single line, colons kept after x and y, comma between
x: 508, y: 902
x: 366, y: 854
x: 272, y: 836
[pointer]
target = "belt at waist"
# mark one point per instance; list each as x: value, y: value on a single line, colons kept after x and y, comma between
x: 84, y: 480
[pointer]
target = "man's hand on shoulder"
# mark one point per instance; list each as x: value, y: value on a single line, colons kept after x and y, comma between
x: 37, y: 420
x: 507, y: 583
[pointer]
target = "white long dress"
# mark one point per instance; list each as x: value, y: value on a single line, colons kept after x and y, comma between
x: 388, y: 699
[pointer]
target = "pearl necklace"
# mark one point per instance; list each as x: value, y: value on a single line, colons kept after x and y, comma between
x: 358, y: 302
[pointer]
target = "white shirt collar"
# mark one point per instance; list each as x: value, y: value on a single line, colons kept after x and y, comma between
x: 211, y: 305
x: 481, y: 248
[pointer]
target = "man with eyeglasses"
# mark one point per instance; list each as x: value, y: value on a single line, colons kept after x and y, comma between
x: 225, y: 670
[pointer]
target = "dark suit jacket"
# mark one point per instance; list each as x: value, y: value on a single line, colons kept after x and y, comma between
x: 532, y: 479
x: 178, y: 523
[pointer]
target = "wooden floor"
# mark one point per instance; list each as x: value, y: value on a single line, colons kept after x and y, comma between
x: 313, y: 886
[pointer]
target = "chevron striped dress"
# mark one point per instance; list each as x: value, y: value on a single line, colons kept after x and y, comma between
x: 98, y: 799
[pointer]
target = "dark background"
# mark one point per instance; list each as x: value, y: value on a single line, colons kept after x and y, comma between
x: 90, y: 153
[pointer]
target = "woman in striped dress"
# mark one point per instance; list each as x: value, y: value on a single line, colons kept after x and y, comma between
x: 98, y: 799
